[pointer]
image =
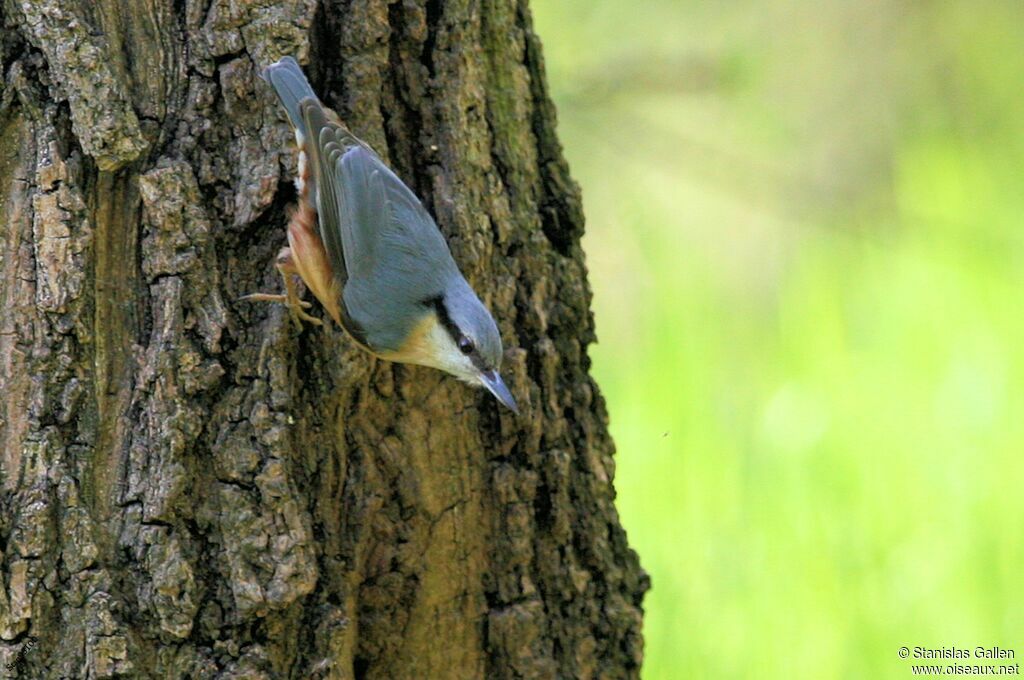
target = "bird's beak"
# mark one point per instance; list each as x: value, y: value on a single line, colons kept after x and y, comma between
x: 493, y: 382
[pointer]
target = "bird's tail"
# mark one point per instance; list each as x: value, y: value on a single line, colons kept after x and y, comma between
x: 290, y: 83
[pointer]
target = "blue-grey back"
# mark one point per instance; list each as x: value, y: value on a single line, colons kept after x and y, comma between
x: 383, y: 245
x: 398, y: 257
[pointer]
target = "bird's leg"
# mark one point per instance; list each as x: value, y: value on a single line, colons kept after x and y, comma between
x: 286, y: 266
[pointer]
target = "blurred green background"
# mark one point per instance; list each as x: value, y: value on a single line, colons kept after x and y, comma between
x: 806, y: 243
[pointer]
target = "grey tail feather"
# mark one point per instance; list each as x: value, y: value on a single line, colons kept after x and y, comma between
x: 290, y: 83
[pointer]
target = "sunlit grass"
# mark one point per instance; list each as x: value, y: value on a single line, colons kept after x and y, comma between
x: 808, y: 269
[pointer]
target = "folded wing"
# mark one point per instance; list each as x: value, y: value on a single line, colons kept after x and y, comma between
x: 377, y: 234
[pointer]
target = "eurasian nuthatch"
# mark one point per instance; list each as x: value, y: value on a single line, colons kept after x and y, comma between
x: 371, y: 253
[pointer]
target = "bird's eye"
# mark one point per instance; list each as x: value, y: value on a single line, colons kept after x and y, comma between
x: 465, y: 345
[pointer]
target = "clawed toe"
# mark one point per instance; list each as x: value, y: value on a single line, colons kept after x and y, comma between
x: 301, y: 316
x: 263, y: 297
x: 292, y: 302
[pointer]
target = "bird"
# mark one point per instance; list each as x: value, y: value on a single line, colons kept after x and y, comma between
x: 372, y: 255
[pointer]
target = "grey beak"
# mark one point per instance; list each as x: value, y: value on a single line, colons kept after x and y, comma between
x: 493, y: 382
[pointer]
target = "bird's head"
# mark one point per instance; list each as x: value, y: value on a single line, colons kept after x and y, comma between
x: 458, y: 335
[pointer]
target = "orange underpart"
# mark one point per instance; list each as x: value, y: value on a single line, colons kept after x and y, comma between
x: 310, y: 259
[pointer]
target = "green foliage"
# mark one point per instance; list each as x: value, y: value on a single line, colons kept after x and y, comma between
x: 806, y: 242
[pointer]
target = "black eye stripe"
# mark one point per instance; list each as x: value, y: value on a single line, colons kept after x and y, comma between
x: 465, y: 345
x: 437, y: 303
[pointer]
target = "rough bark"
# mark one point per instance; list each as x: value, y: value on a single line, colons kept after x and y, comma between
x: 191, y: 486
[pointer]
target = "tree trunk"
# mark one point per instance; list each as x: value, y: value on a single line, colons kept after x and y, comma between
x: 192, y: 487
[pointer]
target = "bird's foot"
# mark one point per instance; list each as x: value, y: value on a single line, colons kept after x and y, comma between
x: 296, y: 306
x: 290, y: 298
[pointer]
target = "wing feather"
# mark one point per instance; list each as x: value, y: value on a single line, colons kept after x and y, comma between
x: 328, y: 201
x: 383, y: 245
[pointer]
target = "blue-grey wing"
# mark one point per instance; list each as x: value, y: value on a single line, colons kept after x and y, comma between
x: 390, y: 228
x: 389, y: 247
x: 323, y: 152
